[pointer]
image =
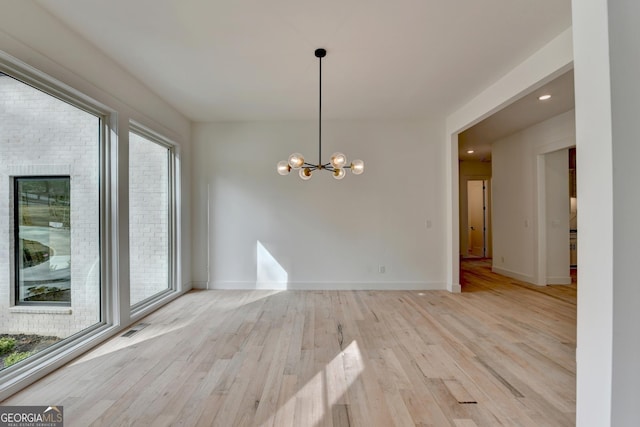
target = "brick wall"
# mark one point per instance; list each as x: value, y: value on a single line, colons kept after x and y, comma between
x: 148, y: 217
x: 41, y: 135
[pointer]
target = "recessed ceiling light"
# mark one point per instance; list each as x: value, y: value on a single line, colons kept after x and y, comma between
x: 544, y: 97
x: 470, y: 151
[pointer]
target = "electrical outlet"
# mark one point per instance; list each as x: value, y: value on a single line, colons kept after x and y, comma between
x: 381, y: 269
x: 502, y: 259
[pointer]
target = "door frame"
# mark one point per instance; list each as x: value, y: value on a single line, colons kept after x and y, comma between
x: 464, y: 222
x: 541, y: 211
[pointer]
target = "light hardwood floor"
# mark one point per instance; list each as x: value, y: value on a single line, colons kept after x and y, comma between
x: 500, y: 353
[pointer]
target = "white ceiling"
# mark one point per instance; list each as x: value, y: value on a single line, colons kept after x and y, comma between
x: 253, y: 59
x: 519, y: 115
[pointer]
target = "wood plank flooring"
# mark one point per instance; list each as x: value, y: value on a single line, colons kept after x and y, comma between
x: 500, y: 353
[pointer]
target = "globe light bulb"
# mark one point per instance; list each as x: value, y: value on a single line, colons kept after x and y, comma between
x: 339, y: 173
x: 296, y: 161
x: 305, y: 174
x: 283, y: 167
x: 338, y: 160
x: 357, y: 167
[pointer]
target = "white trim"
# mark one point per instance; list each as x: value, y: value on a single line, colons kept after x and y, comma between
x: 153, y: 136
x: 150, y: 301
x: 540, y: 261
x: 540, y: 251
x: 153, y: 306
x: 22, y: 71
x: 329, y: 286
x: 452, y: 207
x: 558, y: 280
x: 174, y: 195
x: 514, y: 275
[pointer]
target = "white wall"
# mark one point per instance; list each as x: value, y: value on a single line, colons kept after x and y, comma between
x: 516, y: 185
x: 625, y: 96
x: 594, y: 146
x: 557, y: 201
x: 607, y: 127
x: 512, y: 207
x: 325, y: 234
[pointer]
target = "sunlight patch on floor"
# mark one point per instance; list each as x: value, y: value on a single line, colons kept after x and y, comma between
x: 339, y: 374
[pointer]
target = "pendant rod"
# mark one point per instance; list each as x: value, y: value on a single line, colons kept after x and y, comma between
x: 320, y: 112
x: 338, y: 165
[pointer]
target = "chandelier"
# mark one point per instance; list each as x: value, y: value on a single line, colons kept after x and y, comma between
x: 337, y: 164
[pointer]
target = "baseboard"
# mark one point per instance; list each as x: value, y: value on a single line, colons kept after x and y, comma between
x: 330, y: 286
x: 455, y: 288
x: 514, y: 275
x: 559, y: 280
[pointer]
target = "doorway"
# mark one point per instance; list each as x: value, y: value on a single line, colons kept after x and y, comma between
x: 554, y: 217
x: 477, y: 220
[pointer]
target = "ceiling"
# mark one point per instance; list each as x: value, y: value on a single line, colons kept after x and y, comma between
x: 253, y: 59
x: 517, y: 116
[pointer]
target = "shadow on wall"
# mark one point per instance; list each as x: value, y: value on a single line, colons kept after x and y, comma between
x: 269, y: 272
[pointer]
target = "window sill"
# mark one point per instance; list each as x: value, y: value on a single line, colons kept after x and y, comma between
x: 40, y: 310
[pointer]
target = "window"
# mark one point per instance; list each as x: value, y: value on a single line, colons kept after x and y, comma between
x: 50, y: 216
x: 150, y: 219
x: 61, y: 221
x: 42, y: 207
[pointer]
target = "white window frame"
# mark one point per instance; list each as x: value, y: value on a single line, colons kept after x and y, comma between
x: 145, y: 132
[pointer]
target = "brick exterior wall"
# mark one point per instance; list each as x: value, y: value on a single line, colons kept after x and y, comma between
x: 148, y: 218
x: 41, y: 135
